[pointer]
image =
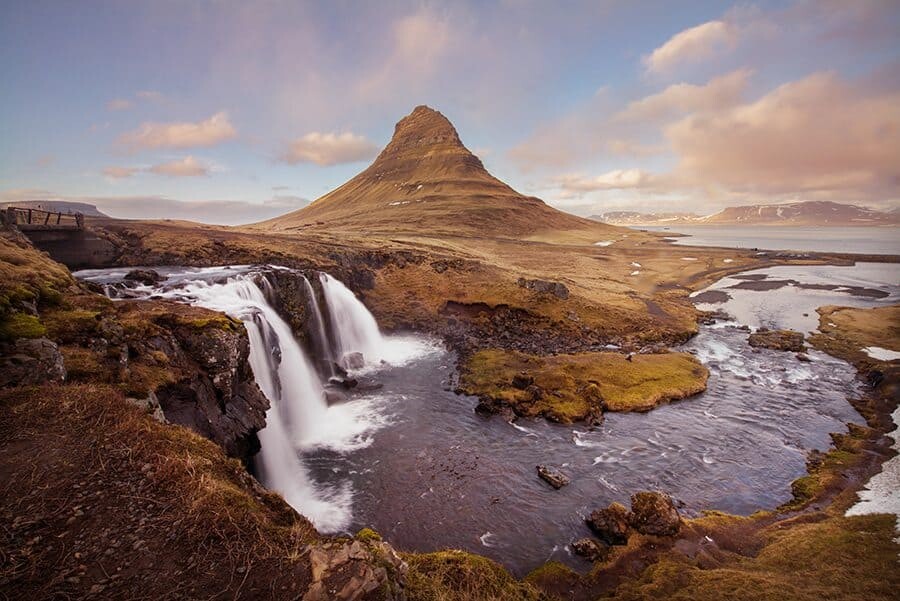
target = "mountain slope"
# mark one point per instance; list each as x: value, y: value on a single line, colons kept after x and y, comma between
x: 426, y: 181
x: 809, y: 213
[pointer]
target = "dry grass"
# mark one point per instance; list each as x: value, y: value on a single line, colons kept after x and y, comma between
x: 130, y: 478
x: 838, y: 559
x: 459, y: 576
x: 574, y: 385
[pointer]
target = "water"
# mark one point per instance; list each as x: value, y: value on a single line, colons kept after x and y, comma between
x: 863, y: 240
x: 416, y: 463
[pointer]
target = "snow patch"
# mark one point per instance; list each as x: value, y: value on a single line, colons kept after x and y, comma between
x: 881, y: 354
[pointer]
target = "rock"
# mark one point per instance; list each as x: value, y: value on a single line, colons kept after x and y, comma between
x: 522, y: 381
x: 557, y: 289
x: 553, y: 477
x: 356, y: 570
x: 611, y: 524
x: 590, y: 549
x: 654, y: 513
x: 31, y: 361
x: 778, y: 340
x: 333, y: 397
x: 343, y: 382
x: 803, y: 357
x: 354, y: 360
x: 147, y: 277
x: 151, y: 406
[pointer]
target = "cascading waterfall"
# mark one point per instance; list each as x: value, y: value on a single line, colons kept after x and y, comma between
x: 355, y: 328
x: 321, y: 336
x: 299, y: 419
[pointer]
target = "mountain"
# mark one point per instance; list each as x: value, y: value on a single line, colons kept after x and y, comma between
x: 426, y: 181
x: 635, y: 218
x: 811, y: 213
x: 61, y: 206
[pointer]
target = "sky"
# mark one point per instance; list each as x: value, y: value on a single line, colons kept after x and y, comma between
x: 232, y: 112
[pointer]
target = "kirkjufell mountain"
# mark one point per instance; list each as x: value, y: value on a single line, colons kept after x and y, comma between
x: 426, y: 181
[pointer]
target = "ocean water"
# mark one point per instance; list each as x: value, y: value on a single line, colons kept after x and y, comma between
x: 862, y: 240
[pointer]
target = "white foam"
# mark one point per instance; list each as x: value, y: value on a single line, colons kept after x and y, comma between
x: 604, y: 243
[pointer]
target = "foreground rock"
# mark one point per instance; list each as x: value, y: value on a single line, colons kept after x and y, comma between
x: 356, y: 570
x: 552, y: 476
x: 654, y: 513
x: 589, y: 549
x: 611, y: 524
x: 147, y: 277
x: 777, y: 340
x: 29, y: 362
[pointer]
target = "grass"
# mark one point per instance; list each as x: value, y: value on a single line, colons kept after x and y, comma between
x: 20, y: 325
x: 838, y: 559
x: 459, y: 576
x: 575, y: 385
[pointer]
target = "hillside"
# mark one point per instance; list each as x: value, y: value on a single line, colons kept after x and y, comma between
x: 810, y: 213
x: 426, y: 181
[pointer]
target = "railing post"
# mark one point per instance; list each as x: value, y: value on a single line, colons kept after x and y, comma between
x: 29, y: 216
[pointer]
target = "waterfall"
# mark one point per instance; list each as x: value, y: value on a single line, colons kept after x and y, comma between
x: 321, y: 339
x: 355, y: 328
x: 298, y: 417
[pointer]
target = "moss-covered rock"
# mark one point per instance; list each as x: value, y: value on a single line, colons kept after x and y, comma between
x: 568, y: 388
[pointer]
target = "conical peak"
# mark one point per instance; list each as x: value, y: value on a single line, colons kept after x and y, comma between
x: 423, y: 133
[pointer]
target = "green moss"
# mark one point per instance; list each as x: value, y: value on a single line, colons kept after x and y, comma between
x: 551, y: 574
x: 21, y: 325
x: 367, y: 535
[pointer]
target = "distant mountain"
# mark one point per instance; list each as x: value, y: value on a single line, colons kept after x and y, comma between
x: 635, y: 218
x: 58, y: 206
x: 814, y: 213
x: 426, y: 181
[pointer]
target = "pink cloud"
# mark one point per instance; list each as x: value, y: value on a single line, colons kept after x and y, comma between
x: 186, y: 167
x: 691, y: 45
x: 212, y: 131
x: 329, y: 149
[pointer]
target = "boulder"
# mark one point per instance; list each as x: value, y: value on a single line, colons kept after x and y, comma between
x: 522, y: 381
x: 611, y: 524
x: 30, y: 362
x: 654, y: 513
x: 803, y: 357
x: 552, y: 476
x: 590, y: 549
x: 777, y: 340
x: 356, y: 570
x: 147, y: 277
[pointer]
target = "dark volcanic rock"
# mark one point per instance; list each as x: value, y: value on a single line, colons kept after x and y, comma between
x: 611, y: 524
x: 31, y: 361
x: 219, y: 398
x: 553, y: 477
x: 557, y: 289
x: 522, y: 381
x: 143, y: 276
x: 590, y: 549
x: 778, y: 340
x: 654, y: 513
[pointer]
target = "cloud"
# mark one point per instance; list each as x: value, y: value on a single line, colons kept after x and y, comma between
x: 618, y: 179
x: 118, y: 104
x: 329, y: 149
x: 120, y: 172
x: 186, y: 167
x: 718, y: 93
x: 212, y: 131
x: 691, y: 45
x: 818, y: 135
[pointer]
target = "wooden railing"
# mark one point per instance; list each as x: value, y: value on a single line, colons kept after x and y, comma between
x: 29, y: 218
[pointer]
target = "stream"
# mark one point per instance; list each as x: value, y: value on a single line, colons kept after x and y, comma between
x: 412, y: 460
